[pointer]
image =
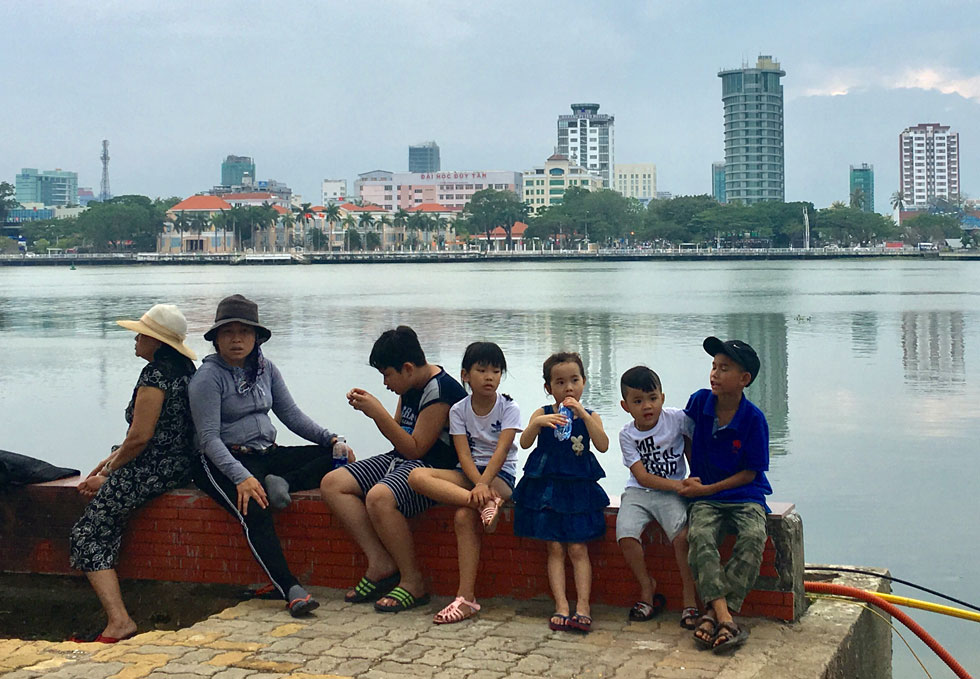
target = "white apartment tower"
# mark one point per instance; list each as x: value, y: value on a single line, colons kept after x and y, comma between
x: 587, y: 139
x: 930, y: 157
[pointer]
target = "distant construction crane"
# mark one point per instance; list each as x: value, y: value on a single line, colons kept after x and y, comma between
x: 104, y: 192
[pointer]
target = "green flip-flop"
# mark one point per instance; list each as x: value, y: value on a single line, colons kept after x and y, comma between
x: 404, y: 600
x: 372, y: 590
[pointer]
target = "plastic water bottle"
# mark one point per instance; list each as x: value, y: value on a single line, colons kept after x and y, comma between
x: 340, y: 450
x: 563, y: 432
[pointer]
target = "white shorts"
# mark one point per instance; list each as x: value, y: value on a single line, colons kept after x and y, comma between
x: 640, y: 506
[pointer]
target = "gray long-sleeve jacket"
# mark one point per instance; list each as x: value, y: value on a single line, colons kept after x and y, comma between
x: 223, y: 417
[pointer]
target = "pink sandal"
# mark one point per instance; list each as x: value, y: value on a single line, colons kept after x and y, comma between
x: 490, y: 514
x: 453, y: 612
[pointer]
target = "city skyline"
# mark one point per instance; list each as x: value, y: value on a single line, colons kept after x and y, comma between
x: 197, y: 94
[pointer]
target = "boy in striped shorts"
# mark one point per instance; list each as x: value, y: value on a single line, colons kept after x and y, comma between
x: 372, y: 496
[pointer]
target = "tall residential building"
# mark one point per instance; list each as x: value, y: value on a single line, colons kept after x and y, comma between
x: 544, y: 186
x: 863, y: 180
x: 930, y: 167
x: 333, y: 191
x: 754, y: 157
x: 235, y: 168
x: 636, y: 180
x: 51, y: 187
x: 587, y: 139
x: 423, y: 157
x: 718, y: 181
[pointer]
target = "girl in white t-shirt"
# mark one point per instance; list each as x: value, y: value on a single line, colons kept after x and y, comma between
x: 483, y: 426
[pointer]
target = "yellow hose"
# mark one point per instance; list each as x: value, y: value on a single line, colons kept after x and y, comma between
x: 928, y: 606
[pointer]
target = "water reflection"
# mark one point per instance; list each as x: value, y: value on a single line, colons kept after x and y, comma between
x: 767, y: 335
x: 864, y: 333
x: 932, y: 351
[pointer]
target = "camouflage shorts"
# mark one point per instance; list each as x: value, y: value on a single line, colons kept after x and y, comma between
x: 710, y: 522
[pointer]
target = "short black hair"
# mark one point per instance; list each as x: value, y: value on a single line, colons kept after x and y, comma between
x: 395, y: 348
x: 486, y: 353
x: 640, y: 377
x: 558, y: 358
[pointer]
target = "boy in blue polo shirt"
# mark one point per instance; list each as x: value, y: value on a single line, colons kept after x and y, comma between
x: 727, y: 486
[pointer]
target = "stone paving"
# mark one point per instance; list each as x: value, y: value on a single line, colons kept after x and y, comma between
x: 509, y: 639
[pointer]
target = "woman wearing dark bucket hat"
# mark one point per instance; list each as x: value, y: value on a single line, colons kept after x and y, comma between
x: 243, y: 469
x: 157, y: 455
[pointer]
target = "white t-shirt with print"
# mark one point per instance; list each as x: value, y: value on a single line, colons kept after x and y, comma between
x: 483, y: 431
x: 661, y: 449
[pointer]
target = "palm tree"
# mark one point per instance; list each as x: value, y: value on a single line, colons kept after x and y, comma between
x: 332, y: 215
x: 348, y: 222
x: 365, y: 223
x: 303, y: 214
x: 838, y: 205
x: 239, y: 216
x: 221, y: 221
x: 288, y: 222
x: 181, y: 224
x: 898, y: 201
x: 400, y: 221
x: 858, y: 198
x: 384, y: 221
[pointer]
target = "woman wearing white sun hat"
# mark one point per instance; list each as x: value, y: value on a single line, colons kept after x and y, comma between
x: 157, y: 455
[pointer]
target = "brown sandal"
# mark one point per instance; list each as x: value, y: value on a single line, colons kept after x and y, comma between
x: 706, y: 640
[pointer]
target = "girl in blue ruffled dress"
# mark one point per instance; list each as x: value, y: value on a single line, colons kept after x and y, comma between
x: 559, y: 498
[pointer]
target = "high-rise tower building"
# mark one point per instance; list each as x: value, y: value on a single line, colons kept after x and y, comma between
x: 424, y: 157
x: 718, y: 181
x: 51, y: 187
x: 754, y: 156
x: 862, y: 186
x: 234, y: 169
x: 587, y: 139
x: 930, y: 164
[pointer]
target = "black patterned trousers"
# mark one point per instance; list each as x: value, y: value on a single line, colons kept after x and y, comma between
x: 95, y: 538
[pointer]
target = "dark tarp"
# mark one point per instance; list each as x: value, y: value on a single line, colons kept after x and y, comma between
x: 19, y: 470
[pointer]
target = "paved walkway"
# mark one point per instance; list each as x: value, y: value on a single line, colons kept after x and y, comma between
x: 259, y: 640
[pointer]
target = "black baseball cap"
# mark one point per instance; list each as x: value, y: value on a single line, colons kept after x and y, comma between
x: 738, y: 351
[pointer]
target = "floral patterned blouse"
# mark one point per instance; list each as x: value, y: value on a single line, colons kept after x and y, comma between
x: 170, y: 372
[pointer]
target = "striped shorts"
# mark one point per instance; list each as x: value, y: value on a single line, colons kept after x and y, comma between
x: 392, y: 470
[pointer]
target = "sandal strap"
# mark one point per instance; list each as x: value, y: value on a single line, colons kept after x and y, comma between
x: 453, y: 612
x: 402, y: 596
x: 643, y: 608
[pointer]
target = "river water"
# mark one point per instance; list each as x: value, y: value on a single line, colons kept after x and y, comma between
x: 870, y: 373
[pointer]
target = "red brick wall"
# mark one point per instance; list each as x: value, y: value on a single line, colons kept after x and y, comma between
x: 184, y: 536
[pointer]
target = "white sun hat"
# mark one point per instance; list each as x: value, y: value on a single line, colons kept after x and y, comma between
x: 165, y: 323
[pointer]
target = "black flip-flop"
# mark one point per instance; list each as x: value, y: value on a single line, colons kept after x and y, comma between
x: 736, y: 636
x: 642, y: 611
x: 404, y: 600
x: 371, y: 590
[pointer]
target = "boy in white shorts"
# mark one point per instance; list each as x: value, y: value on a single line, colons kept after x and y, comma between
x: 655, y: 447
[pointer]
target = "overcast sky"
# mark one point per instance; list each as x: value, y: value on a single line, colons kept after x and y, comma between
x: 315, y: 90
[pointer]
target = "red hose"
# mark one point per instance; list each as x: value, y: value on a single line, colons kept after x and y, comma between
x: 895, y: 612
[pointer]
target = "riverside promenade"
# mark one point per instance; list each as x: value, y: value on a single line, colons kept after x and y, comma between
x: 509, y: 639
x: 449, y: 256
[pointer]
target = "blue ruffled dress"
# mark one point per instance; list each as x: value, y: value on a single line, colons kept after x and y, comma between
x: 559, y: 497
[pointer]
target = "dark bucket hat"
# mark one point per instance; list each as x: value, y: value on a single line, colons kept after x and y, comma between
x: 238, y: 309
x: 738, y: 351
